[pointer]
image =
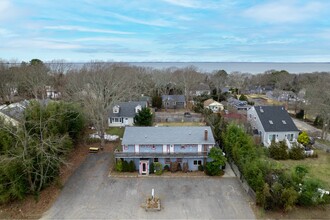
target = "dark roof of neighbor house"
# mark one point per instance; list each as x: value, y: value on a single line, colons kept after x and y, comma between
x: 201, y: 87
x: 275, y: 118
x: 167, y: 135
x: 176, y: 98
x: 127, y: 109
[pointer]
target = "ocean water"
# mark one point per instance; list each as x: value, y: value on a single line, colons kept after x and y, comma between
x: 244, y: 67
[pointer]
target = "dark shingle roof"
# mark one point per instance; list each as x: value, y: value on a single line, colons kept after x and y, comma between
x: 275, y: 118
x: 177, y: 98
x: 167, y: 135
x: 127, y: 109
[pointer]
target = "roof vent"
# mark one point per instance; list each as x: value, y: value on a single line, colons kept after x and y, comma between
x: 284, y: 122
x: 145, y: 136
x: 271, y: 122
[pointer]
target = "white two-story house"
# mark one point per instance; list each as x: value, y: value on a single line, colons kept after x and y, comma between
x: 123, y: 113
x: 273, y: 123
x: 145, y: 145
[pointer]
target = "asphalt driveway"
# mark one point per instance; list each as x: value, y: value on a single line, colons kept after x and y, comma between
x: 91, y: 194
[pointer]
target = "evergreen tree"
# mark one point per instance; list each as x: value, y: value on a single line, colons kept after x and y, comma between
x: 143, y: 117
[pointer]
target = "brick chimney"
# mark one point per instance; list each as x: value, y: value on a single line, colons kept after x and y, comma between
x: 205, y: 135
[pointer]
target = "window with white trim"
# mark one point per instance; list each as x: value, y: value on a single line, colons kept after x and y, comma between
x: 197, y: 162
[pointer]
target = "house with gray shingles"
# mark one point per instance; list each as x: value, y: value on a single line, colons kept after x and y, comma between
x: 145, y: 145
x: 123, y: 113
x: 173, y: 101
x: 273, y: 123
x: 201, y: 89
x: 14, y: 112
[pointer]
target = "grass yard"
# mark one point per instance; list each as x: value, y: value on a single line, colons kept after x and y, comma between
x: 116, y: 131
x: 318, y: 167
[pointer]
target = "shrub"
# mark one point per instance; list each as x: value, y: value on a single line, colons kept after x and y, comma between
x: 125, y: 166
x: 151, y: 168
x: 264, y: 198
x: 212, y: 169
x: 185, y: 167
x: 279, y: 151
x: 159, y: 168
x: 254, y: 176
x: 131, y: 166
x: 200, y: 168
x: 309, y: 193
x: 318, y: 122
x: 296, y: 153
x: 166, y: 168
x: 289, y: 198
x: 119, y: 166
x: 174, y: 166
x: 303, y: 138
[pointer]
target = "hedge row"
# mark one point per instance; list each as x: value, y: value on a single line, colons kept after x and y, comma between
x: 276, y: 188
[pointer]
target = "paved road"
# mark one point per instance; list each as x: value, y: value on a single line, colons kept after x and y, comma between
x: 309, y: 128
x: 91, y: 194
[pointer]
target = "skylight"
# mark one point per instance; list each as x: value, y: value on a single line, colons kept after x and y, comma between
x: 284, y: 122
x: 271, y: 122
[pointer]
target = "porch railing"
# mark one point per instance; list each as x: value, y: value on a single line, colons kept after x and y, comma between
x: 202, y: 154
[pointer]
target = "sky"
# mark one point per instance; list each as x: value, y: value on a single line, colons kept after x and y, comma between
x: 165, y: 30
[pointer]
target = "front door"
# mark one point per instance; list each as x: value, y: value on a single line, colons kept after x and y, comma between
x: 144, y: 167
x: 125, y: 121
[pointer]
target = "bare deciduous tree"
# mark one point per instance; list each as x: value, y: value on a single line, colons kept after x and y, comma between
x: 98, y: 87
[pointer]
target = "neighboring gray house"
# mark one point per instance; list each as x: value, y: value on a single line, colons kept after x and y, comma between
x: 13, y: 113
x: 122, y: 114
x: 273, y: 123
x: 145, y: 145
x: 239, y: 105
x: 201, y: 89
x: 173, y: 101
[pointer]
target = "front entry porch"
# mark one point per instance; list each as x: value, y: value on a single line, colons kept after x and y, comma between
x: 144, y: 167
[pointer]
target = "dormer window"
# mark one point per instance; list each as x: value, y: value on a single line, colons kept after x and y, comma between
x: 138, y: 108
x: 116, y: 109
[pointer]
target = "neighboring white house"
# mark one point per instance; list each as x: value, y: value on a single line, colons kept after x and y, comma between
x: 213, y: 105
x: 273, y: 123
x: 122, y: 114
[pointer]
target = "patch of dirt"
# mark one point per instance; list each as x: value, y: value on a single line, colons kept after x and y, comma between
x: 29, y: 208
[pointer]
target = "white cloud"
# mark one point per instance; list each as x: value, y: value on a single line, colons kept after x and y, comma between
x: 196, y: 4
x: 157, y: 22
x: 42, y: 43
x: 184, y: 3
x: 84, y: 29
x: 284, y: 11
x: 7, y: 10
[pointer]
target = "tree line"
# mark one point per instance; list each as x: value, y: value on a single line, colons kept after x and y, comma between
x: 32, y: 152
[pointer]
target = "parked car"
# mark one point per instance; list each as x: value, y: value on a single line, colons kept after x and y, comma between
x: 187, y: 115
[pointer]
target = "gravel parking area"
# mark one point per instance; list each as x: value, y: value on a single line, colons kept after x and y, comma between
x: 91, y: 194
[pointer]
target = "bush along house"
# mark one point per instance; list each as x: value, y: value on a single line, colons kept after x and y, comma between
x: 187, y: 146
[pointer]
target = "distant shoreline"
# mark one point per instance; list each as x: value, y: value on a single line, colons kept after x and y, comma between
x: 244, y: 67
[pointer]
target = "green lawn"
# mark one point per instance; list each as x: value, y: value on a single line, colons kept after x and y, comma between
x: 116, y: 131
x: 318, y: 167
